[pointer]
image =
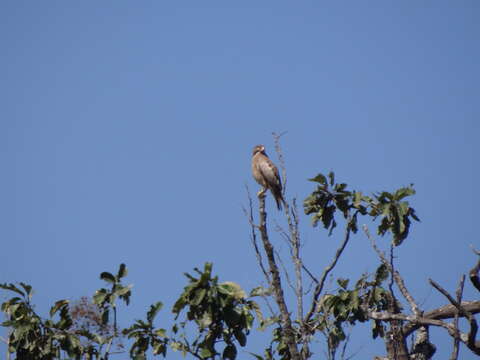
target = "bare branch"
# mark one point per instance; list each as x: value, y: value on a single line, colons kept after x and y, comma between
x: 387, y: 316
x: 284, y: 268
x: 475, y: 251
x: 396, y: 275
x: 275, y: 283
x: 253, y: 235
x: 318, y: 289
x: 314, y: 279
x: 278, y: 150
x: 444, y: 312
x: 291, y: 215
x: 470, y: 342
x: 458, y: 294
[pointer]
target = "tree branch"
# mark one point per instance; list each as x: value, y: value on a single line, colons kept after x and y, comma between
x: 395, y: 274
x: 291, y: 215
x: 456, y: 342
x: 276, y: 285
x: 318, y: 289
x: 470, y: 341
x: 444, y: 312
x: 253, y: 235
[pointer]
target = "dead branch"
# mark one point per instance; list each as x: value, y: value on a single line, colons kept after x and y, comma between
x: 458, y: 294
x: 285, y: 271
x: 470, y: 339
x: 291, y: 215
x: 253, y: 235
x: 442, y: 313
x: 276, y: 283
x: 314, y: 308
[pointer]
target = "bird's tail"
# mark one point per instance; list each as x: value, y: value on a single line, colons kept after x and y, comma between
x: 277, y: 194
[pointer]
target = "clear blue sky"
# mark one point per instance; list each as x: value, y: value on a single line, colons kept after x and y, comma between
x: 127, y: 127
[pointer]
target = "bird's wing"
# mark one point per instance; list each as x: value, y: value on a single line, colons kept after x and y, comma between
x: 269, y: 171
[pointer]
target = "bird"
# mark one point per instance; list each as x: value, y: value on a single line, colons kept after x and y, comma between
x: 266, y: 174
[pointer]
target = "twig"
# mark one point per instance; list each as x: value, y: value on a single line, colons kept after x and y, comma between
x: 292, y: 220
x: 253, y: 235
x: 287, y: 276
x: 278, y: 150
x: 390, y: 285
x: 395, y: 274
x: 470, y: 341
x: 475, y: 251
x: 459, y: 294
x: 314, y: 279
x: 318, y: 289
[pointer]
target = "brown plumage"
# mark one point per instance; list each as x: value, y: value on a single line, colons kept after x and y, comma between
x: 266, y: 174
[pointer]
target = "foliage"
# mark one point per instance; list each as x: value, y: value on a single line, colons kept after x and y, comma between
x: 145, y: 335
x: 220, y: 312
x: 33, y: 337
x: 347, y: 306
x: 330, y: 197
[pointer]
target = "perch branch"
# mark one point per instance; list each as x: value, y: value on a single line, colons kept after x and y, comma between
x: 276, y: 285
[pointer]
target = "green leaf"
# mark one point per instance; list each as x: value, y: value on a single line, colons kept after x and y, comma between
x: 403, y: 192
x: 343, y: 283
x: 105, y: 316
x: 232, y: 289
x: 205, y: 353
x: 205, y: 320
x: 122, y: 290
x: 331, y: 176
x: 159, y: 348
x: 13, y: 288
x: 154, y: 309
x: 27, y: 288
x: 199, y: 295
x: 253, y: 305
x: 240, y: 336
x: 320, y: 178
x: 230, y: 352
x: 161, y: 333
x: 381, y: 274
x: 344, y: 295
x: 260, y: 291
x: 258, y: 357
x: 107, y: 277
x: 57, y: 306
x: 357, y: 199
x: 122, y: 271
x: 74, y: 341
x: 100, y: 296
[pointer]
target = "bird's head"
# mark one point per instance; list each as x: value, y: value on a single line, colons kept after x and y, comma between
x: 258, y: 149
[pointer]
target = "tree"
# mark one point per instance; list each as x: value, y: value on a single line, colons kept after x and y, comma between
x: 372, y: 298
x: 213, y: 319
